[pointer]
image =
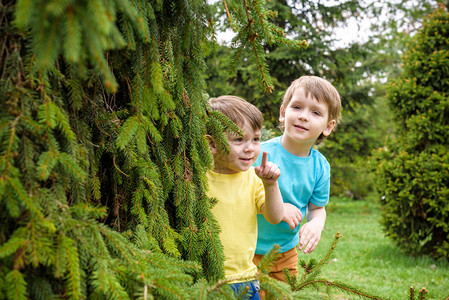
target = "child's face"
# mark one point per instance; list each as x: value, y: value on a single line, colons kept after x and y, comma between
x: 244, y: 152
x: 305, y: 119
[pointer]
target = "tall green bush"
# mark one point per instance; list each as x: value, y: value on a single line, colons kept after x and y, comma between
x: 413, y: 169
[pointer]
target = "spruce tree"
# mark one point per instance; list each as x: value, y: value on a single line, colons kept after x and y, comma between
x: 102, y: 146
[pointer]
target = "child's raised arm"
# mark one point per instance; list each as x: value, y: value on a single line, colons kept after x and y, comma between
x: 272, y: 209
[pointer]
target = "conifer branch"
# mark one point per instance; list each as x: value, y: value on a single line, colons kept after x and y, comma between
x: 340, y: 286
x: 11, y: 204
x: 33, y: 244
x: 46, y: 163
x: 73, y: 41
x: 78, y: 174
x: 312, y: 269
x: 73, y: 274
x: 115, y: 240
x: 308, y: 271
x: 22, y: 195
x: 11, y: 139
x: 261, y: 64
x: 229, y: 15
x: 11, y: 246
x: 115, y: 165
x: 18, y: 286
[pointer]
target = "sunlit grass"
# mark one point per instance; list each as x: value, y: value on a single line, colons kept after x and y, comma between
x: 364, y: 258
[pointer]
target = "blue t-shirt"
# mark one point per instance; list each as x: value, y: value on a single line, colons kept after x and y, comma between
x: 302, y: 180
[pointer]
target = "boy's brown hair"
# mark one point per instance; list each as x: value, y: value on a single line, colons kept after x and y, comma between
x: 322, y: 90
x: 238, y: 110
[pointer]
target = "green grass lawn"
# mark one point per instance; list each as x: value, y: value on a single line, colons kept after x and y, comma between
x: 364, y: 258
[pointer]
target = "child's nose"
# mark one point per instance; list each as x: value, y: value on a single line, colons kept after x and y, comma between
x: 249, y: 147
x: 303, y: 115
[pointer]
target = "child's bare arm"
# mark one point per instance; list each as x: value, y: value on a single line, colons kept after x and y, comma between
x: 310, y: 233
x: 272, y: 209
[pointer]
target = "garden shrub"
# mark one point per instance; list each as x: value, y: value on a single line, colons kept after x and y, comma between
x: 413, y: 169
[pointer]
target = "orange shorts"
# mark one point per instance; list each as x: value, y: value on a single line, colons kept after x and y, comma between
x: 288, y: 259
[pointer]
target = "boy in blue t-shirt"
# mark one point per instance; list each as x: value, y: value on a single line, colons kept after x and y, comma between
x: 309, y: 112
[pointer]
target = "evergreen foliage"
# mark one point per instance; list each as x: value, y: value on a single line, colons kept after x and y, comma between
x: 412, y: 170
x: 255, y: 29
x: 103, y: 152
x: 102, y: 148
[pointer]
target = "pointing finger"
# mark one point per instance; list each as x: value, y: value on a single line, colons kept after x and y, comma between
x: 264, y: 159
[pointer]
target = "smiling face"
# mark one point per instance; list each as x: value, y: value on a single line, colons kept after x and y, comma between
x: 304, y: 119
x: 244, y: 151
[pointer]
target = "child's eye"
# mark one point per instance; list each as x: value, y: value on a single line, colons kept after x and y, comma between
x: 257, y: 139
x: 317, y: 113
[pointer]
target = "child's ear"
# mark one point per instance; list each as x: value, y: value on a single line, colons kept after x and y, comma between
x: 212, y: 147
x: 282, y: 114
x: 329, y: 128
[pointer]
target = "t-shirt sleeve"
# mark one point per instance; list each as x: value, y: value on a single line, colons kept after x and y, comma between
x: 320, y: 196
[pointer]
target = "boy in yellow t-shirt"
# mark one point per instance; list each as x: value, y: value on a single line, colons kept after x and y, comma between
x: 242, y: 191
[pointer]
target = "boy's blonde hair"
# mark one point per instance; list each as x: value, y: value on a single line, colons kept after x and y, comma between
x: 322, y: 90
x: 238, y: 110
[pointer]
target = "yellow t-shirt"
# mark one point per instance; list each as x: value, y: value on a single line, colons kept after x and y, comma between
x: 240, y: 197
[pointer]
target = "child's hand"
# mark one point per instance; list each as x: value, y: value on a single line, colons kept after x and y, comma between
x: 309, y: 236
x: 267, y: 171
x: 292, y: 215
